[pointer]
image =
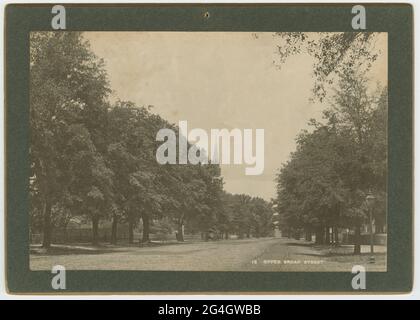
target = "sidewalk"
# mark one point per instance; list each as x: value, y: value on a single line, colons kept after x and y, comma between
x: 363, y: 249
x: 298, y: 255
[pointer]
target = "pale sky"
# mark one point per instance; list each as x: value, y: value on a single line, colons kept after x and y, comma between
x: 219, y: 80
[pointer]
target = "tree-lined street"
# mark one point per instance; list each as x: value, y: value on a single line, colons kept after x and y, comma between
x: 94, y: 166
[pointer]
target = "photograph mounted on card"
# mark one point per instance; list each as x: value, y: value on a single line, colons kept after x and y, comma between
x: 209, y: 148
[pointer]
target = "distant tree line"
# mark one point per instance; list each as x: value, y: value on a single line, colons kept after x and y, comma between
x: 96, y: 159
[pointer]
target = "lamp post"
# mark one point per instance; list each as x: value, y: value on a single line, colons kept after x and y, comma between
x: 370, y: 201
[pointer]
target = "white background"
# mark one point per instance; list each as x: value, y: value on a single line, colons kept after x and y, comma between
x: 416, y: 291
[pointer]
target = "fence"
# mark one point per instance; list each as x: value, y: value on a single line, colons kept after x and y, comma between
x: 84, y: 235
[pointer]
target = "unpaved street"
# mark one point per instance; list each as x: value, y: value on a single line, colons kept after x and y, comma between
x: 265, y: 254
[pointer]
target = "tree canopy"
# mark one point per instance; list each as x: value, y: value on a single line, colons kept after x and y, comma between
x: 96, y: 159
x: 338, y: 162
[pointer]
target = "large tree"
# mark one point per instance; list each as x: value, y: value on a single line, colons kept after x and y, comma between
x: 68, y: 86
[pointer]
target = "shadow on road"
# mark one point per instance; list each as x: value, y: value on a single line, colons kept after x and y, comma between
x: 57, y: 251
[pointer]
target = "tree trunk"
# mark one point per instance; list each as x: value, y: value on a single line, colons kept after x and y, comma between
x: 226, y: 235
x: 146, y: 228
x: 336, y: 241
x: 308, y: 235
x: 95, y: 224
x: 65, y: 233
x: 130, y: 230
x: 327, y: 235
x: 46, y: 242
x: 180, y: 231
x: 357, y: 239
x: 319, y: 235
x: 114, y: 229
x: 256, y: 233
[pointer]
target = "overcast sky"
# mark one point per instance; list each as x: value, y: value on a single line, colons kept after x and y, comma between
x: 219, y: 80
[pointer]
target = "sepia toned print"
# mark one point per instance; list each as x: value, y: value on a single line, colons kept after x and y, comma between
x: 208, y: 151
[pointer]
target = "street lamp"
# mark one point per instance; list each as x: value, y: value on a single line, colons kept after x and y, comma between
x: 370, y: 201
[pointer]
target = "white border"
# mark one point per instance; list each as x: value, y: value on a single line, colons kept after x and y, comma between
x: 416, y: 289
